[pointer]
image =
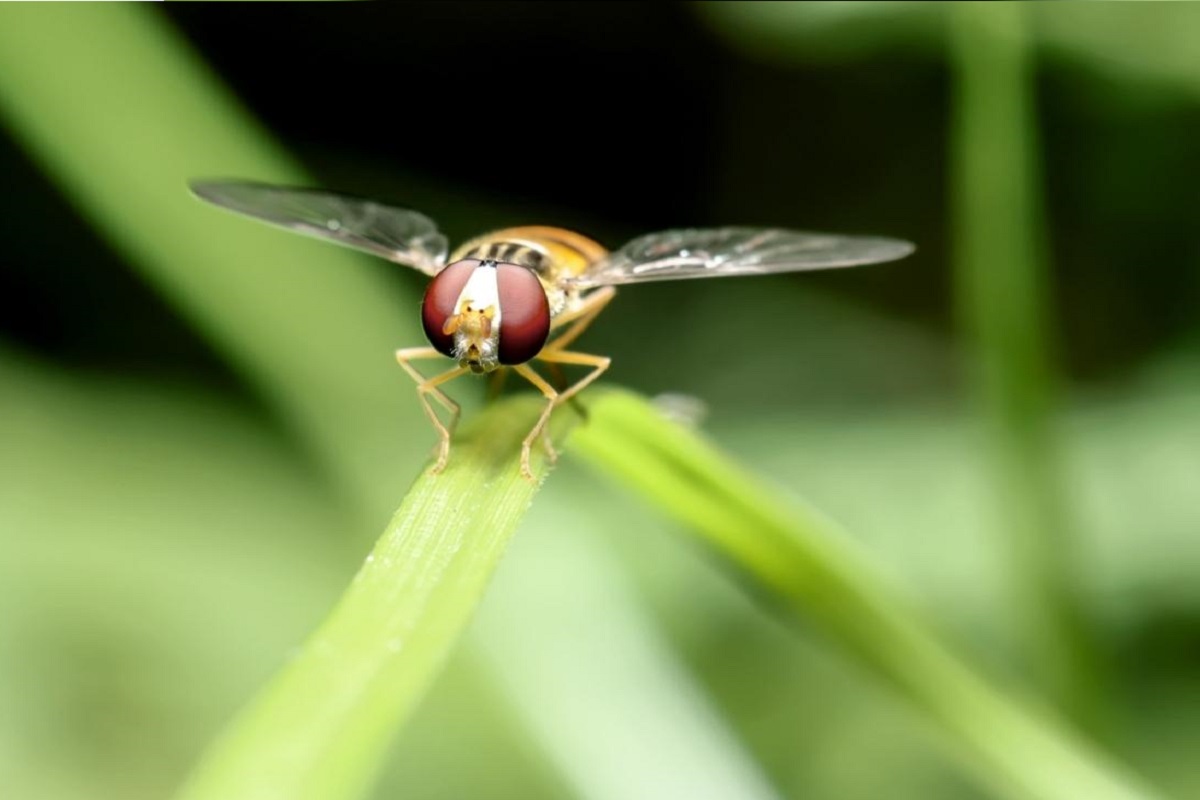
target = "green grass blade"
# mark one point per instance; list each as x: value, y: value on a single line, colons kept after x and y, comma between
x: 1001, y: 277
x: 805, y: 563
x: 577, y: 686
x: 320, y: 729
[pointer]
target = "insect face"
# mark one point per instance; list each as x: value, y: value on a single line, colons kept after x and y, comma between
x: 485, y: 314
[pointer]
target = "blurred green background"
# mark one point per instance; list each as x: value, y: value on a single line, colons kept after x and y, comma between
x: 201, y: 427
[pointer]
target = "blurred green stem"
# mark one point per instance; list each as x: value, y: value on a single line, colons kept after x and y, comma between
x: 807, y: 564
x: 1001, y: 279
x: 118, y: 111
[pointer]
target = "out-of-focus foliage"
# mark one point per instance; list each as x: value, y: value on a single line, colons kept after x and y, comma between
x: 165, y: 542
x: 1123, y: 43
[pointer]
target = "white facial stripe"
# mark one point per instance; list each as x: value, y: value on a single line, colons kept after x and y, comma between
x: 482, y: 290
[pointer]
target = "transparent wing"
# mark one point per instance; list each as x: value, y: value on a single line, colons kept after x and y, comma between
x: 405, y: 237
x: 680, y: 254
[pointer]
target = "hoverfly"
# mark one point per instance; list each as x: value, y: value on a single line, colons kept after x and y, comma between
x: 507, y: 298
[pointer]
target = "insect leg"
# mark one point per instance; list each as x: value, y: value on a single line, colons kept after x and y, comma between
x: 581, y: 317
x: 555, y: 398
x: 558, y: 379
x: 551, y: 395
x: 597, y: 363
x: 427, y: 387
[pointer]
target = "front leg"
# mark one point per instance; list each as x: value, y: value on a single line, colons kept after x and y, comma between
x: 427, y: 387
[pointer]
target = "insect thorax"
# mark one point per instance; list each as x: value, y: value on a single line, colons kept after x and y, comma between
x: 554, y: 254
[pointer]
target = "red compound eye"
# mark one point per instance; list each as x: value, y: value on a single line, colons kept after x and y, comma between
x: 524, y: 314
x: 440, y: 299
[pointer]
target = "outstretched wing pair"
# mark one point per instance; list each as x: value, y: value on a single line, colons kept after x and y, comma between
x: 412, y: 239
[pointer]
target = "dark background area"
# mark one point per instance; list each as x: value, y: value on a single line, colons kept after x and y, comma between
x: 622, y: 118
